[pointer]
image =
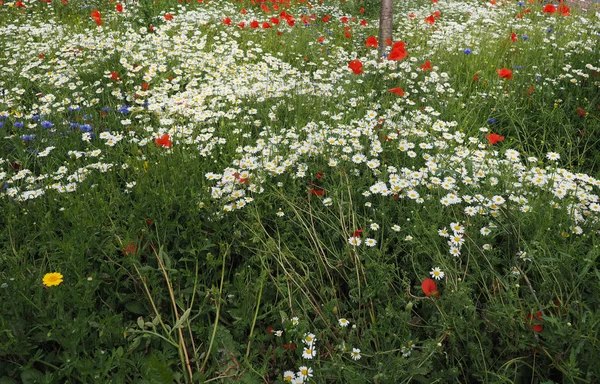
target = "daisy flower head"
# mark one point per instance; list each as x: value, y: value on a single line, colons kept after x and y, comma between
x: 396, y: 228
x: 289, y: 376
x: 437, y: 273
x: 309, y: 339
x: 355, y: 354
x: 370, y: 242
x: 343, y: 322
x: 374, y: 226
x: 304, y: 373
x: 309, y: 352
x: 354, y: 240
x: 52, y: 279
x: 295, y: 320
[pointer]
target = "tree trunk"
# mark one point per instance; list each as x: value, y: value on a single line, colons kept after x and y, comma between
x: 386, y: 20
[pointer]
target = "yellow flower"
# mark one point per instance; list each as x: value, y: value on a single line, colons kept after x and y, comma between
x: 53, y: 278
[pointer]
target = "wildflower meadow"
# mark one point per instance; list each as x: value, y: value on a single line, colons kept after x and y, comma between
x: 261, y: 191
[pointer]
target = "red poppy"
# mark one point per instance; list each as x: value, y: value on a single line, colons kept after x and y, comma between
x: 411, y: 15
x: 265, y: 8
x: 20, y: 4
x: 168, y: 16
x: 266, y: 25
x: 437, y: 14
x: 114, y: 76
x: 357, y: 233
x: 348, y: 35
x: 241, y: 24
x: 476, y: 78
x: 119, y: 7
x: 130, y: 249
x: 504, y: 73
x: 426, y: 66
x: 291, y: 346
x: 274, y: 21
x: 356, y: 67
x: 226, y: 21
x: 398, y: 91
x: 564, y: 10
x: 254, y: 24
x: 429, y: 288
x: 321, y: 39
x: 388, y: 42
x: 430, y: 19
x: 580, y: 111
x: 534, y: 321
x: 270, y: 329
x: 145, y: 86
x: 243, y: 11
x: 494, y: 138
x: 319, y: 175
x: 550, y: 8
x: 95, y: 14
x: 513, y: 37
x: 398, y: 52
x: 344, y: 19
x: 164, y: 141
x: 363, y: 23
x: 372, y: 42
x: 317, y: 192
x: 326, y: 18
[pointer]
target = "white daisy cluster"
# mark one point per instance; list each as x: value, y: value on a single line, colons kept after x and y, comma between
x: 309, y: 352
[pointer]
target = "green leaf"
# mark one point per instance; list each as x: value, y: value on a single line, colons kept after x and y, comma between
x: 157, y: 372
x: 31, y: 376
x: 182, y: 319
x: 136, y: 307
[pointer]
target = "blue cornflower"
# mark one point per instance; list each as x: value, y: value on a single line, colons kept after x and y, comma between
x: 27, y: 137
x: 85, y: 128
x: 47, y: 124
x: 491, y: 121
x: 124, y: 109
x: 74, y: 109
x: 105, y: 109
x: 525, y: 37
x: 550, y: 30
x: 35, y: 117
x: 1, y: 124
x: 467, y: 51
x: 520, y: 3
x: 518, y: 67
x: 18, y: 124
x: 73, y: 125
